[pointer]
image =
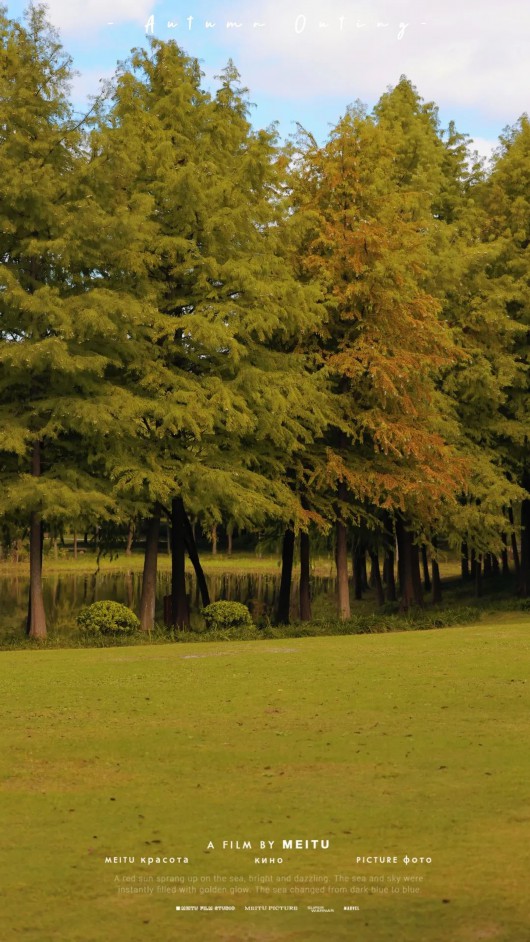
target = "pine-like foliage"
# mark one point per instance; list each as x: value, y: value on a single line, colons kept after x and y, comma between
x: 70, y: 326
x: 230, y: 398
x: 365, y: 202
x: 504, y: 292
x: 481, y: 383
x: 505, y: 198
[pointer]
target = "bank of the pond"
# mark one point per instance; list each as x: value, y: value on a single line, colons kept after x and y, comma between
x: 360, y: 624
x: 66, y: 593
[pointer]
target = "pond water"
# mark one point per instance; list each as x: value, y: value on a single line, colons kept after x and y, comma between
x: 66, y: 593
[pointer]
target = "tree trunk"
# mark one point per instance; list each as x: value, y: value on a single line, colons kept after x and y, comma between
x: 75, y: 544
x: 524, y: 577
x: 515, y: 548
x: 148, y: 597
x: 504, y: 557
x: 401, y: 550
x: 372, y: 576
x: 341, y: 560
x: 389, y: 577
x: 477, y: 571
x: 305, y: 583
x: 465, y: 562
x: 284, y: 596
x: 130, y: 537
x: 416, y: 575
x: 376, y: 576
x: 364, y: 571
x: 36, y: 621
x: 488, y: 568
x: 408, y: 567
x: 436, y: 581
x: 230, y: 538
x: 425, y: 564
x: 179, y: 603
x: 193, y: 553
x: 214, y: 540
x: 358, y: 577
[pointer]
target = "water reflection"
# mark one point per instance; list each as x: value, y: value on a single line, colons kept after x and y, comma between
x: 67, y: 593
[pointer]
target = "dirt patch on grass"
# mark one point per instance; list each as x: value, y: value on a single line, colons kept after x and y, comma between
x: 486, y: 933
x: 188, y: 657
x: 54, y: 777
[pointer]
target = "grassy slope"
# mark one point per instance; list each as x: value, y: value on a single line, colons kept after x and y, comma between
x: 394, y: 744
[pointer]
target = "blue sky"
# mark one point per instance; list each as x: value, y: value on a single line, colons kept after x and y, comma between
x: 306, y: 60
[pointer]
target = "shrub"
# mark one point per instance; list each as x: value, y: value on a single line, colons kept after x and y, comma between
x: 108, y: 618
x: 219, y: 615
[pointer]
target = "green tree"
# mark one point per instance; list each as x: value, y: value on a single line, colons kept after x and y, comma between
x: 73, y: 309
x: 505, y: 295
x: 229, y: 394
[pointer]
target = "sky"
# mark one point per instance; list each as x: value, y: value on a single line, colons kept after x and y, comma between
x: 306, y: 60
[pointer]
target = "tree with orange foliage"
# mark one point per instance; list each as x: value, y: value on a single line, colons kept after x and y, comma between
x: 367, y: 229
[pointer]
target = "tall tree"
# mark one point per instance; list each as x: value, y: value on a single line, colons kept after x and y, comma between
x: 505, y: 198
x: 480, y: 383
x: 229, y: 394
x: 367, y: 220
x: 68, y: 330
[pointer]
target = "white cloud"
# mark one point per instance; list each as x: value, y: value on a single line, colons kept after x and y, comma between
x: 87, y: 84
x: 473, y: 54
x: 76, y: 18
x: 483, y: 146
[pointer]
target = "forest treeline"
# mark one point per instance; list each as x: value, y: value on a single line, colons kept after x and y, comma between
x: 199, y: 322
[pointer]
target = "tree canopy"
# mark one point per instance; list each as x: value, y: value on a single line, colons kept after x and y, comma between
x: 197, y: 320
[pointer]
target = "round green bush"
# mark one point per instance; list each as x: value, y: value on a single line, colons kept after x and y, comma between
x: 108, y: 618
x: 227, y: 615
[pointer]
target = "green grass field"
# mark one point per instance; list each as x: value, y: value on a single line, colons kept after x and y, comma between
x: 388, y: 745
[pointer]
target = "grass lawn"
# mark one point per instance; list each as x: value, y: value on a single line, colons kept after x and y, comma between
x: 386, y: 745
